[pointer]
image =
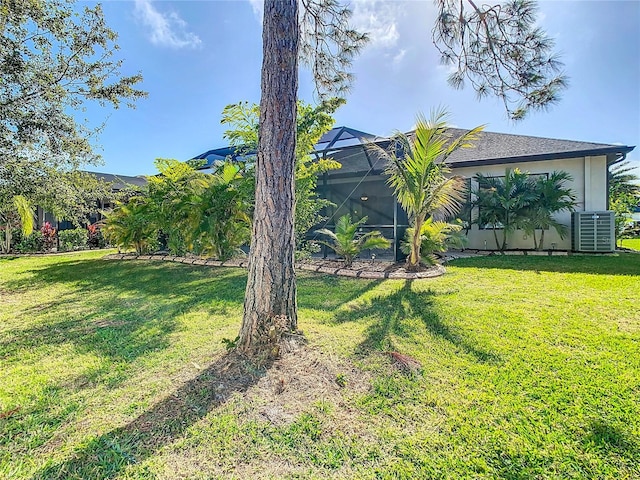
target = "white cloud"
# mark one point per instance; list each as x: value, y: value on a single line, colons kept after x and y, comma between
x: 258, y: 8
x: 165, y: 29
x: 398, y: 57
x: 379, y: 20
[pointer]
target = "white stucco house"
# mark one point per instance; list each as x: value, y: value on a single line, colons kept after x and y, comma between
x: 359, y: 187
x: 586, y: 162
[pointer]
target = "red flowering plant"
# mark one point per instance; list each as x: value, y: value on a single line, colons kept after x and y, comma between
x: 95, y: 238
x: 49, y: 236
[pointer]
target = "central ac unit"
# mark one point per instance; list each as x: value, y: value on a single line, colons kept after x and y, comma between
x: 593, y: 232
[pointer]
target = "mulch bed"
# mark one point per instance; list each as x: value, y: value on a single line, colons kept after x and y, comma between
x: 359, y: 269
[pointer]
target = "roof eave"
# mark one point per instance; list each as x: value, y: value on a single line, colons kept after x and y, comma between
x: 623, y: 150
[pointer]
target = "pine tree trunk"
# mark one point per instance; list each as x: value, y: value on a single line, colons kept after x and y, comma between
x: 270, y: 298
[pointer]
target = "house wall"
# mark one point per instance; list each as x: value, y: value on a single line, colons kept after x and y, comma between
x: 589, y: 185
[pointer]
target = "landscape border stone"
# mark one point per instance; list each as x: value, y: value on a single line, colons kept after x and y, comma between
x: 433, y: 272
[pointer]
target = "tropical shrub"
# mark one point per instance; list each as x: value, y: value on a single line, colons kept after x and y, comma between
x: 17, y: 214
x: 15, y: 237
x: 75, y: 239
x: 624, y: 195
x: 49, y: 237
x: 520, y: 200
x: 95, y: 238
x: 31, y: 244
x: 504, y: 203
x: 130, y: 226
x: 435, y: 237
x: 168, y: 200
x: 551, y: 197
x: 217, y: 214
x: 312, y: 123
x: 347, y: 242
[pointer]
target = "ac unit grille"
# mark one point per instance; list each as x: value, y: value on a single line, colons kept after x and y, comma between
x: 593, y: 231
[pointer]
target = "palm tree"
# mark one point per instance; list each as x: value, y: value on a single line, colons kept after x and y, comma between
x: 21, y: 215
x: 417, y: 169
x: 624, y: 194
x: 167, y: 195
x: 503, y: 202
x: 130, y: 225
x: 347, y: 243
x: 552, y: 197
x: 217, y: 212
x: 622, y: 180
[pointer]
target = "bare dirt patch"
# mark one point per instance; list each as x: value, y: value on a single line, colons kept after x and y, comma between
x: 106, y: 323
x: 298, y: 380
x: 8, y: 297
x: 296, y: 383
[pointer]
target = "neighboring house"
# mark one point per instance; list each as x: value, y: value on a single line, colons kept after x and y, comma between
x: 118, y: 183
x: 360, y: 188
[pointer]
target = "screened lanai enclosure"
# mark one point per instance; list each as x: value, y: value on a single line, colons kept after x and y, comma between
x: 357, y: 188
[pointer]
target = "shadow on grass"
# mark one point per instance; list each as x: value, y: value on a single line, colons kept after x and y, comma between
x: 621, y: 264
x: 106, y: 456
x: 117, y: 309
x: 390, y: 316
x: 611, y: 438
x: 327, y: 292
x: 603, y: 443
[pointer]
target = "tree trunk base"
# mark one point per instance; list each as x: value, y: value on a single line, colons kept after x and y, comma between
x: 271, y: 339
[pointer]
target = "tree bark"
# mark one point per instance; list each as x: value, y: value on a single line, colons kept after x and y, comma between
x: 413, y: 259
x: 270, y: 309
x: 495, y: 236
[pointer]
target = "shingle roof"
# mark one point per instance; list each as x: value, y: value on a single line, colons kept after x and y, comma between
x: 347, y: 146
x: 494, y: 148
x: 120, y: 181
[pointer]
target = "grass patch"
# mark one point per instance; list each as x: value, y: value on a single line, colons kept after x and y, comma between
x: 530, y: 369
x: 632, y: 243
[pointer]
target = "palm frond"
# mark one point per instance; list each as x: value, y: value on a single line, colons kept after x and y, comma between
x: 25, y: 212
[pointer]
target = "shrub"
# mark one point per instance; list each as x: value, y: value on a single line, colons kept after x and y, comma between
x: 30, y: 244
x: 130, y: 225
x: 16, y: 237
x: 435, y: 237
x: 49, y: 236
x: 95, y: 238
x: 348, y: 242
x: 75, y: 239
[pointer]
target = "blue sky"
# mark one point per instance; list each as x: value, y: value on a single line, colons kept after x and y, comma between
x: 198, y: 56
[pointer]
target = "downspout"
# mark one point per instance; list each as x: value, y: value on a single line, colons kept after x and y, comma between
x: 587, y: 183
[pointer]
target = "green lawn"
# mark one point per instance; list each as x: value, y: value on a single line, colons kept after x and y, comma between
x: 531, y: 369
x: 632, y: 243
